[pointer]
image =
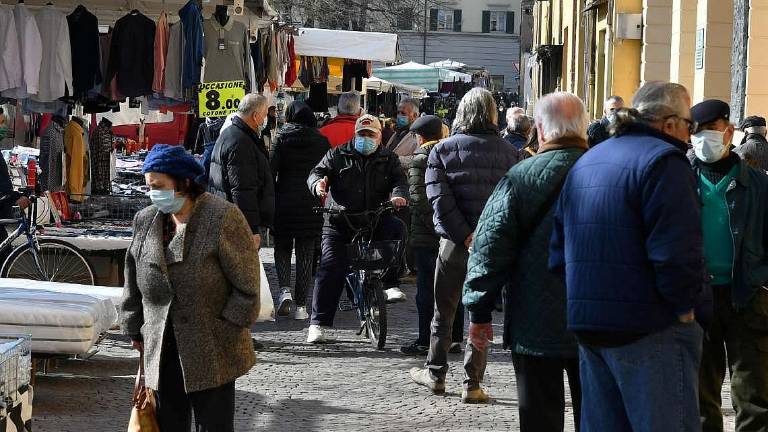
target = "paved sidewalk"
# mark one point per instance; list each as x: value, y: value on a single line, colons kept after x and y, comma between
x: 345, y: 386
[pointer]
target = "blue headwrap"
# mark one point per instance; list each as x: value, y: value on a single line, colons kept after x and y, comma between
x: 172, y: 160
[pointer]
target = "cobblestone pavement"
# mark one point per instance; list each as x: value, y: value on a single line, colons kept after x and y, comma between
x: 344, y: 386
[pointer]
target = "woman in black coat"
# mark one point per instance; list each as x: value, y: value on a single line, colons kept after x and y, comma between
x: 297, y: 149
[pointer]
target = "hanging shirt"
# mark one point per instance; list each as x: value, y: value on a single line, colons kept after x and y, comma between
x: 84, y: 37
x: 291, y: 73
x: 132, y: 55
x: 51, y: 151
x: 74, y: 147
x: 162, y: 36
x: 173, y: 63
x: 227, y: 51
x: 56, y: 65
x: 101, y: 153
x: 10, y: 70
x: 194, y: 45
x: 30, y: 51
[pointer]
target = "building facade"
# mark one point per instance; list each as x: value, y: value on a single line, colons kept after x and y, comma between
x: 482, y: 33
x: 606, y: 47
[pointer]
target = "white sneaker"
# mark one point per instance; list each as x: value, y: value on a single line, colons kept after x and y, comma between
x: 301, y: 313
x: 284, y: 302
x: 316, y: 335
x: 394, y: 295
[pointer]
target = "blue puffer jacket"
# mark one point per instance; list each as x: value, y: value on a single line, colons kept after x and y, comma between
x: 627, y: 231
x: 462, y: 172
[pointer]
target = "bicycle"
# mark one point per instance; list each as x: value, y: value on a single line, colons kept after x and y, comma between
x: 369, y: 261
x: 41, y: 259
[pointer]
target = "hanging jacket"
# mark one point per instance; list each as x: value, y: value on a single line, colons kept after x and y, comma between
x: 132, y: 55
x: 74, y: 146
x: 510, y: 251
x: 192, y: 24
x: 84, y: 36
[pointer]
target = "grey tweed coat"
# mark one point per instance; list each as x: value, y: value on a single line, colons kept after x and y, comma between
x: 206, y: 283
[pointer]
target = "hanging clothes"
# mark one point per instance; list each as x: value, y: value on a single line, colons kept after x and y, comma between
x: 273, y: 66
x: 194, y: 45
x: 131, y: 57
x: 318, y: 97
x: 76, y: 166
x: 354, y: 70
x: 173, y: 63
x: 56, y: 65
x: 10, y: 72
x: 101, y: 153
x: 84, y: 37
x: 226, y: 51
x: 51, y: 156
x: 162, y: 36
x: 30, y: 52
x: 291, y: 73
x: 262, y: 69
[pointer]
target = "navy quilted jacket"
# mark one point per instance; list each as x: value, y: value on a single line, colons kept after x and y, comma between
x: 462, y: 171
x: 511, y: 249
x: 627, y: 232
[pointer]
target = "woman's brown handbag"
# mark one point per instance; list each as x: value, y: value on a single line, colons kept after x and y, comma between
x: 143, y: 417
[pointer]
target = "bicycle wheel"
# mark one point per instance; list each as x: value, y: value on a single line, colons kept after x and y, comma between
x: 376, y: 313
x: 59, y: 262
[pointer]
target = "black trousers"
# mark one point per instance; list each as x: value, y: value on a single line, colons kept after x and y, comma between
x: 214, y: 408
x: 305, y: 249
x: 541, y: 392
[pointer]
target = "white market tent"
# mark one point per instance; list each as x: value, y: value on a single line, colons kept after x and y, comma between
x: 448, y: 64
x: 373, y: 46
x: 382, y: 86
x: 419, y: 75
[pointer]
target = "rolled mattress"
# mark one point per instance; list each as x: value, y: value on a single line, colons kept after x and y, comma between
x: 60, y: 323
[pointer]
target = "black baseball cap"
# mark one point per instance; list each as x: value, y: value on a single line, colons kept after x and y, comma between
x: 428, y: 126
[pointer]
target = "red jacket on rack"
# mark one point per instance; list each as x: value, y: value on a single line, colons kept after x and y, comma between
x: 340, y: 130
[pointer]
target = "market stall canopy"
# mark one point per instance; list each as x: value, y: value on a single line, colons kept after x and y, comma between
x: 372, y: 46
x: 419, y: 75
x: 448, y: 64
x: 381, y: 85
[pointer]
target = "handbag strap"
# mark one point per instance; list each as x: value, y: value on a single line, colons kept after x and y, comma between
x: 138, y: 386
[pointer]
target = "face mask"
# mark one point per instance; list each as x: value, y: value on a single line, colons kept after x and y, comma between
x: 708, y: 145
x: 402, y: 121
x: 166, y: 201
x: 365, y: 145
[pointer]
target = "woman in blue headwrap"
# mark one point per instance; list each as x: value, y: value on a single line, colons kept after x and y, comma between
x: 191, y: 294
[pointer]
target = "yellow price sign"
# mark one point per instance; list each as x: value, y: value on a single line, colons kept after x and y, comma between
x: 220, y: 99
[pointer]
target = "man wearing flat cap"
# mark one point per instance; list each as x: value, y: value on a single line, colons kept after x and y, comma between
x: 734, y: 199
x: 754, y: 146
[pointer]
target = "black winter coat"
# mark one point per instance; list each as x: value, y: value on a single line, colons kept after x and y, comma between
x: 240, y: 174
x: 358, y: 182
x: 422, y: 233
x: 296, y: 151
x: 461, y: 174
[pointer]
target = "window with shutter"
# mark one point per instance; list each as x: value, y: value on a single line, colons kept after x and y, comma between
x: 457, y: 20
x: 486, y: 21
x: 510, y: 22
x: 497, y: 21
x: 445, y: 19
x: 433, y: 19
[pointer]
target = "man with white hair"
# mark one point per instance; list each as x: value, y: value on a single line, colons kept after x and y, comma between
x: 462, y: 172
x: 403, y: 143
x: 627, y: 233
x: 511, y: 249
x: 341, y: 129
x: 598, y: 130
x: 240, y: 170
x: 518, y: 127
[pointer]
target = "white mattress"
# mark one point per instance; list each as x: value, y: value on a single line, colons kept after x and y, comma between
x: 112, y: 293
x: 60, y: 323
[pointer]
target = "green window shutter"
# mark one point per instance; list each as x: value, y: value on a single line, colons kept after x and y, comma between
x: 433, y: 19
x: 486, y: 21
x: 457, y: 20
x: 510, y: 22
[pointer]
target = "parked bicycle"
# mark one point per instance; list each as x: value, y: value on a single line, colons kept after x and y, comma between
x: 369, y: 261
x: 41, y: 259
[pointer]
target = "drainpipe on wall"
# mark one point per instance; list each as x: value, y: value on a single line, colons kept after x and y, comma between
x: 426, y: 27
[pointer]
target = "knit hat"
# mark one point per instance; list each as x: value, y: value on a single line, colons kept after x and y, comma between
x: 172, y: 160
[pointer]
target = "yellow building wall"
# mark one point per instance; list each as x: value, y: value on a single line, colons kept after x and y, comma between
x: 625, y: 74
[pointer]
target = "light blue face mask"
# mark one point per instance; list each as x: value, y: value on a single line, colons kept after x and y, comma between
x: 166, y: 201
x: 365, y: 145
x: 402, y: 121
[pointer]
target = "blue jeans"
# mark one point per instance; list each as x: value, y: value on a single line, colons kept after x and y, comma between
x: 647, y: 386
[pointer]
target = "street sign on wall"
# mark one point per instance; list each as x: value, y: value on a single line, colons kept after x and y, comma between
x: 700, y: 48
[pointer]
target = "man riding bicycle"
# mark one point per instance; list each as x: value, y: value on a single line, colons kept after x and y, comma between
x: 358, y: 177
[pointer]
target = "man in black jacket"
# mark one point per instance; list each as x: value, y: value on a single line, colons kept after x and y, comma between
x: 754, y: 146
x: 240, y: 170
x: 358, y: 176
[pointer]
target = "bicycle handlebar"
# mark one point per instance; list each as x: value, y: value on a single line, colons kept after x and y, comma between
x: 372, y: 215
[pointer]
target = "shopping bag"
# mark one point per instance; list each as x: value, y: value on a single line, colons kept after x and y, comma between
x: 267, y: 311
x: 143, y: 415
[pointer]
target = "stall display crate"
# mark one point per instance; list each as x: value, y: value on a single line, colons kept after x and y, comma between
x: 15, y: 370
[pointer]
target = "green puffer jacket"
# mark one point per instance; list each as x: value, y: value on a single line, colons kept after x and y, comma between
x: 506, y: 254
x: 422, y: 232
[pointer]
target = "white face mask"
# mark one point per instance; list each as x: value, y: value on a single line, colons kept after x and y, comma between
x: 708, y: 145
